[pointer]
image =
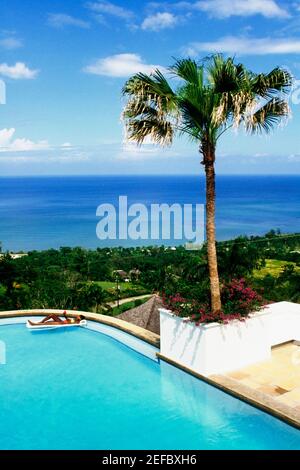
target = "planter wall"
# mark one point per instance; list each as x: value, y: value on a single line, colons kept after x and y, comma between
x: 215, y: 348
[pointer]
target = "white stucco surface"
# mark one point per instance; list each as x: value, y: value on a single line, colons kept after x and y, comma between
x: 215, y: 348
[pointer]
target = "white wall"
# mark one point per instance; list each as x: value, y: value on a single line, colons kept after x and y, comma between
x: 215, y: 348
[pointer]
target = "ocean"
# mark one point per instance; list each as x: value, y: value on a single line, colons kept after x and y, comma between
x: 38, y: 213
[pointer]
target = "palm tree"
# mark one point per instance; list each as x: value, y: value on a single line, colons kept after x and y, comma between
x: 210, y: 97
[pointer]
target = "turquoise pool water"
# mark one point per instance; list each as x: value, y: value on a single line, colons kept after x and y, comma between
x: 79, y: 389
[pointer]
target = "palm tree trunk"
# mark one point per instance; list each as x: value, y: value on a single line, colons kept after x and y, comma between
x: 209, y: 162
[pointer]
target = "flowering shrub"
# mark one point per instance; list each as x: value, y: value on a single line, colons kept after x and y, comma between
x: 238, y: 300
x: 238, y: 297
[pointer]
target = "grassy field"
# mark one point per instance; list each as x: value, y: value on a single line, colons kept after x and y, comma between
x: 127, y: 289
x: 274, y: 267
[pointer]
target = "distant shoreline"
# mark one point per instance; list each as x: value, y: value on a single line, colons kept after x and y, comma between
x: 153, y: 175
x: 247, y: 239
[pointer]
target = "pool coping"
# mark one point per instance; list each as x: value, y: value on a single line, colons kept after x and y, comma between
x: 137, y: 331
x: 244, y: 393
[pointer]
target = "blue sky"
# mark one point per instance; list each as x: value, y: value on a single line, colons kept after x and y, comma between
x: 64, y: 63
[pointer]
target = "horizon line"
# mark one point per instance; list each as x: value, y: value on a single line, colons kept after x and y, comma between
x: 113, y: 175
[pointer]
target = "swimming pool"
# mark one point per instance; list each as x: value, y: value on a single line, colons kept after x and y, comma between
x: 80, y: 389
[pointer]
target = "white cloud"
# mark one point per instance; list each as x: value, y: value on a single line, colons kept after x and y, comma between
x: 44, y: 158
x: 9, y: 144
x: 131, y: 151
x: 120, y: 65
x: 60, y: 20
x: 6, y: 136
x: 26, y: 145
x: 69, y: 157
x: 261, y: 155
x: 246, y: 46
x: 10, y: 43
x: 227, y: 8
x: 294, y: 158
x: 159, y: 21
x: 147, y: 151
x: 18, y: 71
x: 105, y: 7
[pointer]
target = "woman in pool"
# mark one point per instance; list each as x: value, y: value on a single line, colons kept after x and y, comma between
x: 54, y: 319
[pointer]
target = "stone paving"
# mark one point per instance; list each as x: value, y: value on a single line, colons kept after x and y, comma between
x: 278, y: 377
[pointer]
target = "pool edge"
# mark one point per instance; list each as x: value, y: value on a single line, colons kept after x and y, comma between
x: 252, y: 397
x: 136, y: 331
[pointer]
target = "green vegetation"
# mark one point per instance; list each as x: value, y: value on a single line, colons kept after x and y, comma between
x: 108, y: 285
x: 125, y: 289
x: 75, y: 278
x: 274, y: 267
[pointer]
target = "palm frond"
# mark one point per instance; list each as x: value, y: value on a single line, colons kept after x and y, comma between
x: 150, y: 109
x: 232, y: 89
x: 226, y: 76
x: 211, y: 98
x: 267, y: 116
x: 139, y: 109
x: 233, y: 107
x: 189, y: 71
x: 268, y: 85
x: 192, y: 121
x: 152, y: 87
x: 160, y: 131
